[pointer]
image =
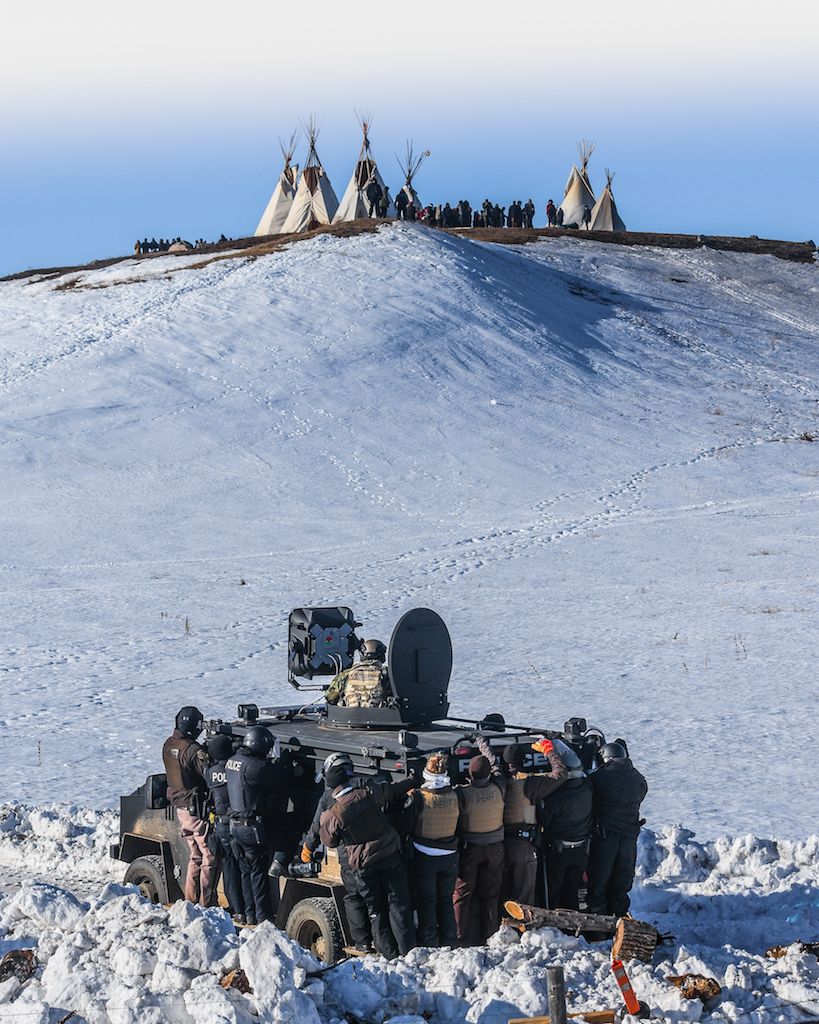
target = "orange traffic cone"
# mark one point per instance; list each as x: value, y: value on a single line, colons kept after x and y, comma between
x: 629, y: 998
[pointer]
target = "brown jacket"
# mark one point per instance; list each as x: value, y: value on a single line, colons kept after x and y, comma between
x: 185, y: 765
x: 356, y: 821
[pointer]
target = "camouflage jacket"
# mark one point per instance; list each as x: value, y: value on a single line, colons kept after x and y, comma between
x: 363, y: 685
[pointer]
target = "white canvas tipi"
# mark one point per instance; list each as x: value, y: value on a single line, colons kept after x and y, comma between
x: 355, y: 204
x: 604, y: 215
x: 579, y: 192
x: 315, y: 201
x: 281, y: 201
x: 410, y: 166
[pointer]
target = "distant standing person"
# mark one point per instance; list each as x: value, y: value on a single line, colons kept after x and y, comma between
x: 185, y: 765
x: 401, y: 202
x: 384, y: 206
x: 551, y: 213
x: 374, y: 196
x: 559, y: 218
x: 586, y: 217
x: 618, y: 790
x: 529, y: 213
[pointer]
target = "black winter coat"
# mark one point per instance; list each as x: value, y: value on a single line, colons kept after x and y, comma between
x: 567, y: 813
x: 619, y: 789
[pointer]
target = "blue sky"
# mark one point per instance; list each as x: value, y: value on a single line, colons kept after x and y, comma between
x: 163, y: 119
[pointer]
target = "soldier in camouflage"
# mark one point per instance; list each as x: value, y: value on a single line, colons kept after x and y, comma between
x: 363, y: 685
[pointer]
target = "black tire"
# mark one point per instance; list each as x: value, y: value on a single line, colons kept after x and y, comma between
x: 148, y: 874
x: 314, y: 924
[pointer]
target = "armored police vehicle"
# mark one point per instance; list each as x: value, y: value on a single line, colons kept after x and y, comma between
x: 390, y: 741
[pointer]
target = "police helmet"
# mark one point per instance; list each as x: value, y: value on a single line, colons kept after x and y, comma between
x: 258, y: 741
x: 613, y: 752
x: 373, y: 649
x: 219, y: 747
x: 334, y: 759
x: 189, y: 721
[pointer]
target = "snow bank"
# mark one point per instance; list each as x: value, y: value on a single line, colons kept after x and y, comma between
x: 119, y: 958
x: 60, y: 841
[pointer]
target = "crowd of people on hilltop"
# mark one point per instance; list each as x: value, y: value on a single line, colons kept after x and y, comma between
x: 146, y: 246
x: 446, y: 215
x: 487, y: 215
x: 462, y: 214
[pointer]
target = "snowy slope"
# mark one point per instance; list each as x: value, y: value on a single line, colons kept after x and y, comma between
x: 586, y: 457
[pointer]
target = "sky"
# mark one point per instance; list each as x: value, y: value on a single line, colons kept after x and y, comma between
x: 121, y: 121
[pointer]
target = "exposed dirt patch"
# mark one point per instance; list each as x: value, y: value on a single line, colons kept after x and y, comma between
x: 800, y: 252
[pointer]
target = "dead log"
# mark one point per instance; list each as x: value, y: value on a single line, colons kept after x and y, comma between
x: 634, y: 940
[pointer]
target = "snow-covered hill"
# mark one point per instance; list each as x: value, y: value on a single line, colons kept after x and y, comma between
x: 586, y: 457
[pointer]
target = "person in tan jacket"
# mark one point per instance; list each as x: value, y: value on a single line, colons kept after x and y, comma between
x: 431, y: 818
x: 480, y: 865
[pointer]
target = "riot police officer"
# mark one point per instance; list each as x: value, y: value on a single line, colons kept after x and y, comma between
x: 251, y: 779
x: 219, y: 750
x: 618, y: 790
x: 185, y: 765
x: 565, y: 818
x: 355, y: 819
x: 355, y: 908
x: 363, y: 685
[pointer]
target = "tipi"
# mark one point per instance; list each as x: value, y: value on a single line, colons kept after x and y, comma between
x: 604, y: 215
x: 578, y: 192
x: 410, y: 166
x: 354, y: 204
x: 315, y: 201
x: 281, y: 201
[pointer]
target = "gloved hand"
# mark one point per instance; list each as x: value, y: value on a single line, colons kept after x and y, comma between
x: 306, y: 855
x: 544, y: 746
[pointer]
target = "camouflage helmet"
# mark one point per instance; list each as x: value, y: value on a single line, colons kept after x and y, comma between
x: 374, y: 650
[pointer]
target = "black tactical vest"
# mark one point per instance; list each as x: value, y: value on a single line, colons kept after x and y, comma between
x: 216, y: 778
x: 243, y: 798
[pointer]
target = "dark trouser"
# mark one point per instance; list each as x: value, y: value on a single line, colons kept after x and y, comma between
x: 480, y: 874
x: 611, y: 874
x: 520, y: 871
x: 384, y: 887
x: 355, y: 909
x: 231, y: 877
x: 564, y: 872
x: 251, y: 853
x: 433, y: 882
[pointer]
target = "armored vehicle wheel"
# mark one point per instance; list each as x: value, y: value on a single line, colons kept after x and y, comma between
x: 147, y: 873
x: 314, y: 924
